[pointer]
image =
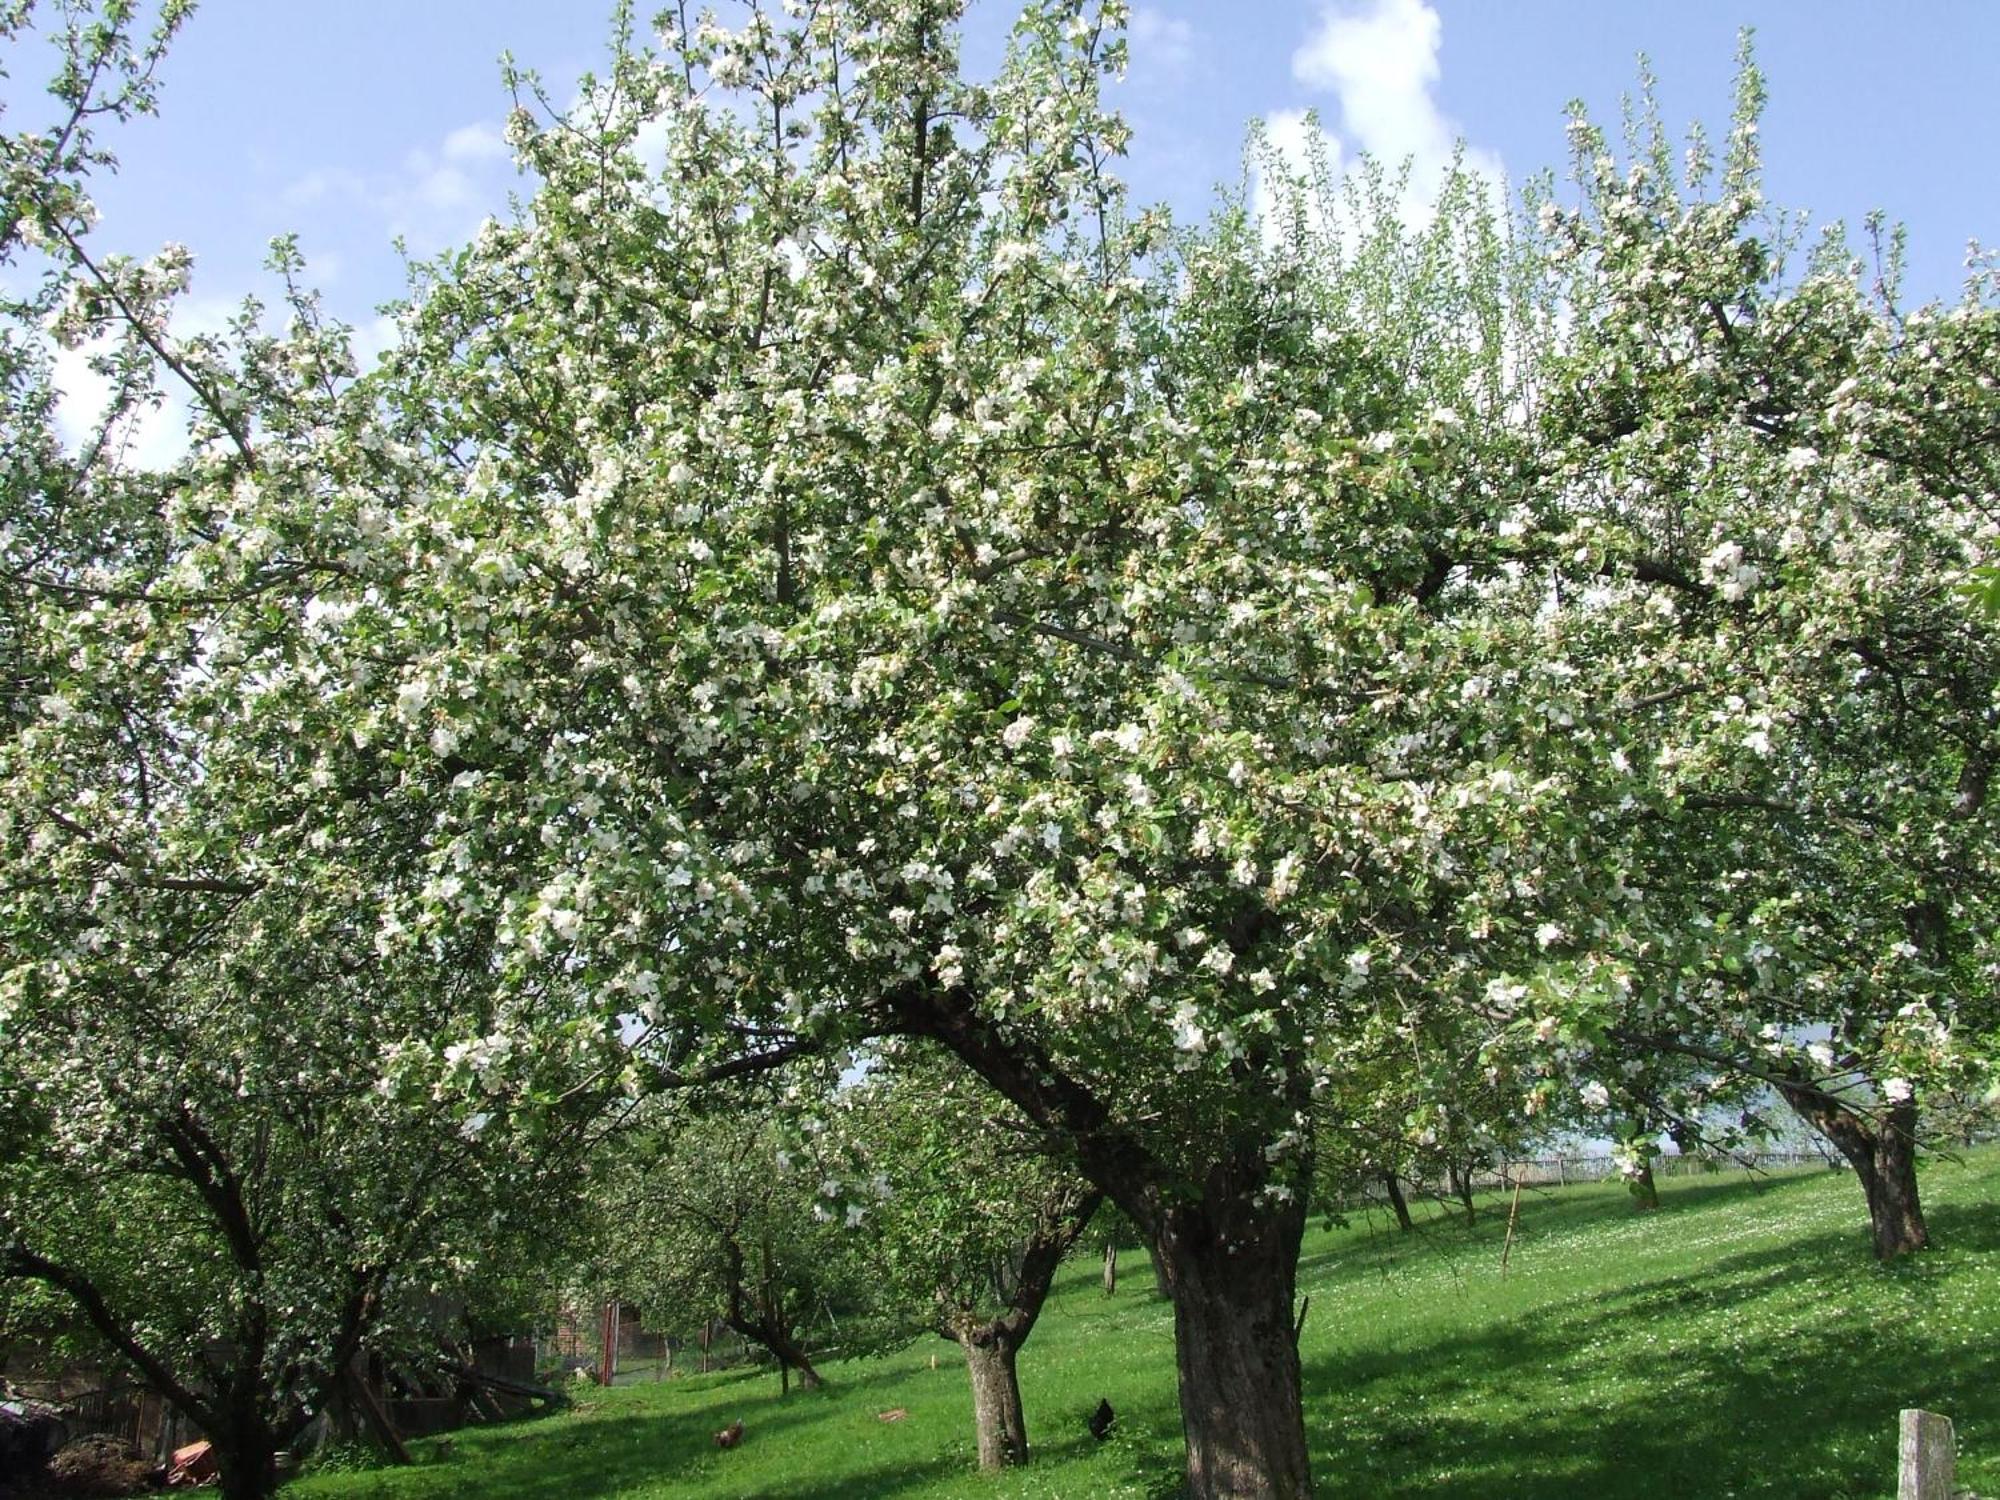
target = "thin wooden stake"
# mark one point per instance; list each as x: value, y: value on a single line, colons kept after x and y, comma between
x: 1513, y: 1217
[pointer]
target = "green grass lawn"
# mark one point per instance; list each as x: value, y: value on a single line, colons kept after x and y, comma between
x: 1738, y: 1342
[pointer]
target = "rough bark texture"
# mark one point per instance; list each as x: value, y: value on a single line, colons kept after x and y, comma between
x: 1397, y: 1201
x: 1884, y: 1157
x: 1110, y: 1268
x: 997, y: 1414
x: 1231, y: 1267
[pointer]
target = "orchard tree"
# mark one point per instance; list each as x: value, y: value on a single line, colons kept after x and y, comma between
x: 1806, y: 887
x: 866, y: 581
x: 826, y: 569
x: 731, y: 1212
x: 974, y: 1222
x: 243, y: 1130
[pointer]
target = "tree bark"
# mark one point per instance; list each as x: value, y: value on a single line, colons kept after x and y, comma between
x: 997, y: 1414
x: 758, y: 1313
x: 246, y: 1455
x: 992, y: 1344
x: 1160, y: 1287
x: 1645, y: 1191
x: 1110, y: 1268
x: 1231, y: 1267
x: 1884, y: 1157
x: 1397, y: 1201
x: 1461, y: 1185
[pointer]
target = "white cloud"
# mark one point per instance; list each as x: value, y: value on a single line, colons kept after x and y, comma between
x: 438, y: 195
x: 479, y: 141
x: 155, y: 437
x: 1160, y: 42
x: 1379, y: 60
x: 373, y: 339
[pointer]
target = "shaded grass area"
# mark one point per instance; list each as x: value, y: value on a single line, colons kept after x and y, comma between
x: 1739, y: 1342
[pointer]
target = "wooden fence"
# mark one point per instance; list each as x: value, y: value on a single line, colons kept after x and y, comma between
x: 1560, y: 1171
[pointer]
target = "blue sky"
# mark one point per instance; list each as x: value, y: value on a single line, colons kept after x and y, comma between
x: 353, y: 121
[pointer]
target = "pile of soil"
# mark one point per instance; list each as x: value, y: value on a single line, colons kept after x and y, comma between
x: 99, y: 1466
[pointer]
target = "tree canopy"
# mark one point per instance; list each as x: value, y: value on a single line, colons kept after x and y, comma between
x: 828, y: 568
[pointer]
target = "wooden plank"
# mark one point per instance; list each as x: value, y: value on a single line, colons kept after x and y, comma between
x: 377, y: 1421
x: 1928, y: 1461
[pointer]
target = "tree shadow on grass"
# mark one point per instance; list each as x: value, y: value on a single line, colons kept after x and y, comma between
x: 1673, y: 1385
x: 1546, y: 1213
x: 601, y: 1455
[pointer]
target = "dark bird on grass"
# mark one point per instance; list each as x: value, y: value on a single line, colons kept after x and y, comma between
x: 1101, y: 1420
x: 731, y: 1435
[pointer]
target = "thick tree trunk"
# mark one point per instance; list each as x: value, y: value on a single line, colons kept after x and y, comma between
x: 1895, y: 1212
x: 1160, y: 1286
x: 1884, y: 1158
x: 1110, y: 1268
x: 1231, y: 1268
x: 1397, y: 1201
x: 997, y: 1414
x: 246, y: 1453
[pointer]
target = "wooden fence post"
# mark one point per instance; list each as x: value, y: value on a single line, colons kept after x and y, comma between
x: 607, y: 1327
x: 1928, y: 1460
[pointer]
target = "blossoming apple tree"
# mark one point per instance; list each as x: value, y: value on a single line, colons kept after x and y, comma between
x: 1805, y: 891
x: 243, y: 1133
x: 974, y: 1218
x: 864, y: 580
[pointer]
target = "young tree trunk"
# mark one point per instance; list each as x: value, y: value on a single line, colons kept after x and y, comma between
x: 1884, y: 1158
x: 1645, y: 1191
x: 1111, y: 1268
x: 759, y: 1316
x: 1461, y: 1184
x: 791, y: 1356
x: 782, y: 1347
x: 992, y: 1344
x: 1397, y: 1201
x: 1231, y: 1267
x: 997, y: 1414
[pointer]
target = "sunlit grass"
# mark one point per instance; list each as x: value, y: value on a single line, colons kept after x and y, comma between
x: 1738, y: 1342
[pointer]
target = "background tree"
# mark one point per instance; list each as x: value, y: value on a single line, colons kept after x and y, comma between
x: 1806, y: 881
x: 242, y: 1133
x: 974, y: 1224
x: 726, y: 1212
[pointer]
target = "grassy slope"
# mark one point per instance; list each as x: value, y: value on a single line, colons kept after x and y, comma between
x: 1737, y: 1343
